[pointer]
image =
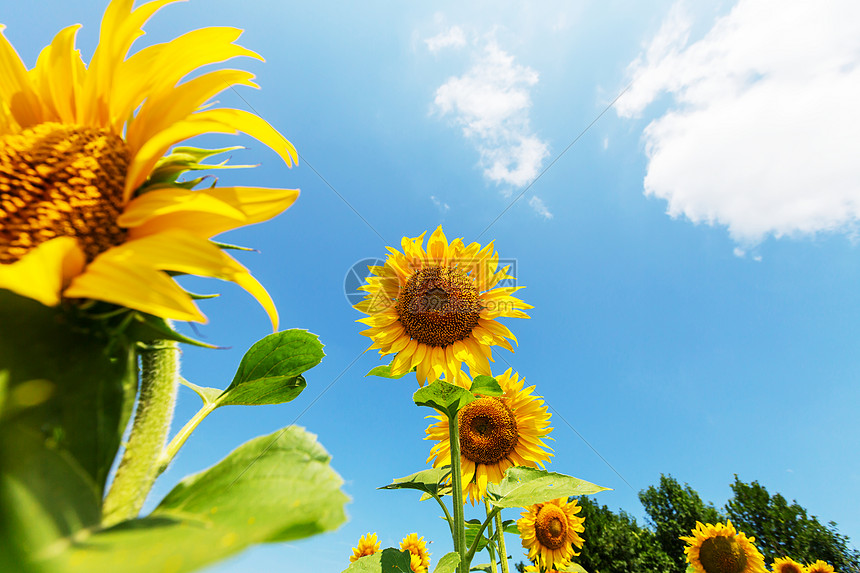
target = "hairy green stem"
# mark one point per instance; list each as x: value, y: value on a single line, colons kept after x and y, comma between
x: 159, y: 373
x: 457, y: 493
x: 492, y: 553
x: 503, y: 553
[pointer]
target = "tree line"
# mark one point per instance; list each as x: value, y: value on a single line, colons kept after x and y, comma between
x: 616, y: 543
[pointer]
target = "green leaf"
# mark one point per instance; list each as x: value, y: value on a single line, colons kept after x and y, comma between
x: 573, y: 568
x: 447, y: 563
x: 278, y: 487
x: 427, y: 481
x: 87, y: 375
x: 270, y: 372
x: 522, y: 487
x: 388, y: 560
x: 510, y: 526
x: 384, y: 371
x: 443, y: 396
x: 471, y: 527
x: 486, y: 386
x: 146, y: 327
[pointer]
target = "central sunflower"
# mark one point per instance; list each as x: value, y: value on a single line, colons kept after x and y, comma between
x: 437, y: 308
x: 496, y: 433
x: 550, y: 530
x: 721, y: 549
x: 90, y: 206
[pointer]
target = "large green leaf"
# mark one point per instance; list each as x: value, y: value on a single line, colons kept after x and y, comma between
x: 277, y: 487
x: 448, y: 563
x: 427, y: 481
x: 388, y: 560
x: 522, y: 487
x: 443, y: 396
x: 89, y: 372
x: 270, y: 372
x: 45, y: 497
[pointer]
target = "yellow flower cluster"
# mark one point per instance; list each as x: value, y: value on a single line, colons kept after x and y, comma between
x: 419, y: 557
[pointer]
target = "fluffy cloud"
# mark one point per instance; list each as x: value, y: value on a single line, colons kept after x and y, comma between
x: 539, y: 206
x: 491, y: 102
x: 453, y: 37
x: 761, y: 133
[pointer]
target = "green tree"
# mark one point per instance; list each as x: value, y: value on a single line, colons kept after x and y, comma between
x: 615, y: 543
x: 673, y: 511
x: 786, y: 530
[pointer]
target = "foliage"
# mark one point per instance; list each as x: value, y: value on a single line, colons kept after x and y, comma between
x: 786, y: 530
x: 673, y: 511
x: 615, y: 543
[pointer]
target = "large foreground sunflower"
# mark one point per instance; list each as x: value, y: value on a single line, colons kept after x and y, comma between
x: 550, y: 530
x: 496, y: 433
x: 367, y: 545
x: 820, y: 567
x: 90, y: 207
x: 418, y: 555
x: 721, y: 549
x: 787, y: 565
x: 436, y: 308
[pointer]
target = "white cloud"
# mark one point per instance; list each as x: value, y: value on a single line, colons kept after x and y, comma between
x: 761, y: 135
x: 444, y: 207
x: 491, y: 102
x: 453, y: 37
x: 540, y: 207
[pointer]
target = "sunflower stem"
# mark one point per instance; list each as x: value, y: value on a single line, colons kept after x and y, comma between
x: 492, y: 553
x: 500, y: 532
x: 138, y: 469
x: 457, y: 493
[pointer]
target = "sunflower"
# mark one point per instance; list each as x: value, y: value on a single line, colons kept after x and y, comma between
x: 550, y: 530
x: 787, y: 565
x: 496, y: 433
x: 90, y: 207
x: 437, y: 308
x: 819, y: 567
x: 720, y: 549
x: 367, y: 545
x: 419, y: 556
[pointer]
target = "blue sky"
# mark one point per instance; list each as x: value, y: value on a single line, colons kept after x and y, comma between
x: 692, y: 257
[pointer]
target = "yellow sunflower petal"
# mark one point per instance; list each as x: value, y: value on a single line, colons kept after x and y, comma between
x: 206, y: 212
x: 43, y: 272
x: 16, y: 87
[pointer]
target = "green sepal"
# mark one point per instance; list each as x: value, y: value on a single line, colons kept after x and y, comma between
x: 486, y: 386
x: 274, y: 488
x: 229, y: 247
x: 270, y: 372
x: 524, y: 486
x: 384, y: 371
x: 443, y: 396
x: 145, y: 327
x: 389, y: 560
x: 428, y: 481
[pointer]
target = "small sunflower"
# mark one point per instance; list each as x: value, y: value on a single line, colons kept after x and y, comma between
x: 419, y: 556
x: 550, y: 530
x: 819, y: 567
x: 496, y: 433
x: 437, y: 308
x: 720, y: 549
x: 367, y: 545
x: 787, y: 565
x: 90, y: 207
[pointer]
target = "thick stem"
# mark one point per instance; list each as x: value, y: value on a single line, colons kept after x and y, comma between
x: 457, y: 493
x: 492, y: 553
x: 503, y: 552
x: 139, y: 466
